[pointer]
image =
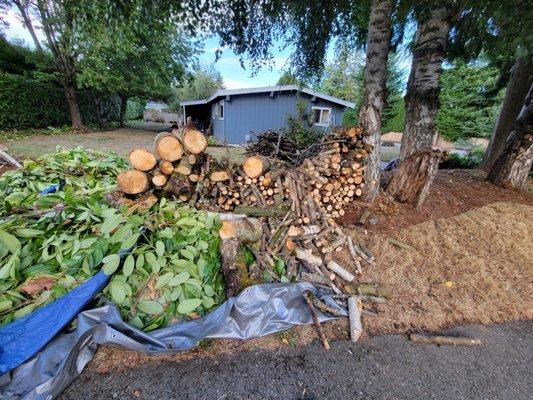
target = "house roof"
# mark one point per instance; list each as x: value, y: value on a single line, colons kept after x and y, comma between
x: 280, y: 88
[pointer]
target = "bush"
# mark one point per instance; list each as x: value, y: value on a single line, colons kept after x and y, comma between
x: 135, y: 109
x: 300, y: 129
x: 457, y: 161
x: 27, y: 103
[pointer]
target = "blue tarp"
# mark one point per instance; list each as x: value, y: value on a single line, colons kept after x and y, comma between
x: 25, y: 337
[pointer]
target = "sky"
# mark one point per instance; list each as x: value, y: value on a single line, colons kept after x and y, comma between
x: 235, y: 77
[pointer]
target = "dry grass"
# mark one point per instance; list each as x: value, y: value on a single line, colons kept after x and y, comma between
x: 476, y: 267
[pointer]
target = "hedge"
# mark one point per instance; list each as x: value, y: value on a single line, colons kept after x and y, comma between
x: 27, y: 103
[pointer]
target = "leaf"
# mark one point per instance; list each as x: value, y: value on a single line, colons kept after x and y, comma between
x: 187, y: 254
x: 208, y: 302
x: 194, y: 282
x: 160, y: 248
x: 130, y: 241
x: 111, y: 263
x: 208, y: 290
x: 111, y: 223
x: 150, y: 307
x: 129, y: 265
x: 118, y: 293
x: 209, y: 221
x: 179, y: 279
x: 29, y: 232
x: 163, y: 280
x: 189, y: 305
x: 9, y: 241
x: 139, y: 263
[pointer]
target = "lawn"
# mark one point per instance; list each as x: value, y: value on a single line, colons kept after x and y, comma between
x: 121, y: 141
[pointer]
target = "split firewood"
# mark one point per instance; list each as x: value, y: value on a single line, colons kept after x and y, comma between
x: 245, y: 230
x: 255, y: 166
x: 219, y: 176
x: 354, y: 255
x: 276, y: 211
x: 169, y: 148
x: 184, y: 167
x: 194, y: 141
x: 132, y: 182
x: 314, y: 278
x: 318, y: 327
x: 10, y: 160
x: 444, y: 340
x: 354, y: 317
x: 325, y: 308
x: 142, y: 160
x: 308, y: 256
x: 369, y: 289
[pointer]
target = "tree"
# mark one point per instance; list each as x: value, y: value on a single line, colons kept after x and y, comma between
x: 200, y: 84
x: 374, y: 94
x: 288, y: 78
x: 469, y: 101
x: 393, y: 116
x: 422, y: 96
x: 521, y: 79
x: 56, y: 19
x: 512, y: 167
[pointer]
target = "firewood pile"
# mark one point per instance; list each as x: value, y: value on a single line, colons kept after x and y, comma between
x: 284, y: 215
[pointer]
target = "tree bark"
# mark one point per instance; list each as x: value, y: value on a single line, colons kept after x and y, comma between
x: 27, y: 22
x: 511, y: 169
x: 74, y: 109
x: 98, y: 106
x: 378, y: 46
x: 422, y: 97
x: 123, y: 104
x: 519, y: 83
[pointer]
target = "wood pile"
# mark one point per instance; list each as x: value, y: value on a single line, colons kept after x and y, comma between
x: 295, y: 207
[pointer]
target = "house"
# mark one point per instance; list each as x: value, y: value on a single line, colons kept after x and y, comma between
x: 156, y: 111
x: 232, y: 115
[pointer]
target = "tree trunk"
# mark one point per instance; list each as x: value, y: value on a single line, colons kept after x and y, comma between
x: 378, y: 46
x: 27, y: 23
x: 74, y: 109
x: 98, y: 106
x: 422, y: 97
x: 511, y: 169
x: 123, y: 104
x: 515, y: 94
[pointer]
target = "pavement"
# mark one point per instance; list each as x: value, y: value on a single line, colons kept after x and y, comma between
x: 382, y: 367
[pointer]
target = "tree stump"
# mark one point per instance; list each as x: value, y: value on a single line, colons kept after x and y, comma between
x: 411, y: 182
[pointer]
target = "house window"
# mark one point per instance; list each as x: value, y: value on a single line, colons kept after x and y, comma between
x: 221, y: 109
x: 321, y: 116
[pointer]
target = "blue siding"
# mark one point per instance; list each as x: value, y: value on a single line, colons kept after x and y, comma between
x: 244, y: 114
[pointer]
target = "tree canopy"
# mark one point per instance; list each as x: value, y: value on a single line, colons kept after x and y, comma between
x: 202, y: 83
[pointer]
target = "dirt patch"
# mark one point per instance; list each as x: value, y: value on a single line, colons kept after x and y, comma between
x: 453, y: 192
x: 475, y: 267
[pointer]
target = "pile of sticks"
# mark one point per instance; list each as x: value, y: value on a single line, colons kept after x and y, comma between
x: 274, y: 144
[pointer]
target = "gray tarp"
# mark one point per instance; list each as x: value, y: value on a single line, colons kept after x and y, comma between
x: 258, y: 311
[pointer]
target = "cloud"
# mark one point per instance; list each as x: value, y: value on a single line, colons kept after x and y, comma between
x: 17, y: 30
x: 237, y: 84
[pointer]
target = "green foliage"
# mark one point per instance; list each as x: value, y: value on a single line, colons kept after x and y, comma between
x: 394, y: 120
x: 288, y: 78
x: 468, y: 105
x: 393, y: 115
x: 201, y: 84
x: 300, y: 129
x: 457, y: 161
x: 14, y: 134
x: 50, y: 244
x: 349, y: 117
x: 28, y: 103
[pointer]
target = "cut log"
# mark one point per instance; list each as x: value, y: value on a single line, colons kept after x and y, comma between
x: 219, y: 176
x: 194, y: 142
x: 159, y: 180
x: 184, y: 167
x: 354, y: 316
x: 308, y: 256
x: 410, y: 184
x: 341, y: 271
x: 448, y: 340
x: 233, y: 261
x: 245, y: 230
x: 166, y: 167
x: 169, y: 149
x: 303, y: 230
x: 132, y: 182
x: 142, y: 160
x: 10, y: 160
x: 255, y: 166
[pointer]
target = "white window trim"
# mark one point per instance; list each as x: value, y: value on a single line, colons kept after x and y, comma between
x: 221, y: 103
x: 320, y: 109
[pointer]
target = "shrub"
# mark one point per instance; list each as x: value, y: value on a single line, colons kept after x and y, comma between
x: 300, y: 128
